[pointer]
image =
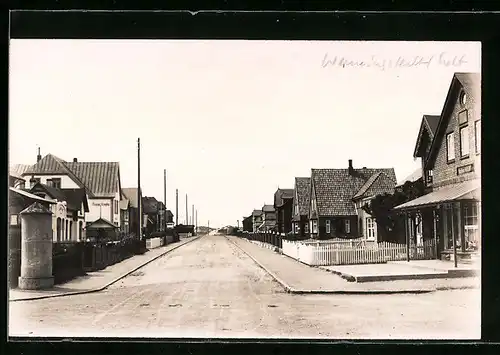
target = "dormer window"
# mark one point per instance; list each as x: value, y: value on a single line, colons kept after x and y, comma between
x: 463, y: 98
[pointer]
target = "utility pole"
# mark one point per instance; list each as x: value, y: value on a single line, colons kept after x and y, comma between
x: 176, y: 207
x: 187, y: 215
x: 139, y: 212
x: 165, y: 199
x: 196, y: 221
x: 192, y: 215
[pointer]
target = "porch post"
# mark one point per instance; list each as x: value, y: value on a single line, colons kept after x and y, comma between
x: 461, y: 231
x: 414, y: 233
x: 434, y: 218
x: 453, y: 234
x: 407, y: 237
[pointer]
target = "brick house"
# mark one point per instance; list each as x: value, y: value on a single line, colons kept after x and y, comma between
x: 451, y: 166
x: 283, y: 204
x: 257, y: 216
x: 337, y: 196
x: 130, y: 193
x: 248, y: 224
x: 301, y: 204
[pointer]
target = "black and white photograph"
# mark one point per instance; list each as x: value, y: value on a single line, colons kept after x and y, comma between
x: 269, y: 189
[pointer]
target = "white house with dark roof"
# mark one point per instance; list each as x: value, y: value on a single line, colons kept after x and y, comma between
x: 337, y: 197
x: 101, y: 181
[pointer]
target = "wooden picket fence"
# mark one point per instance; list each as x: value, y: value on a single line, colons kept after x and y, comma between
x: 342, y: 252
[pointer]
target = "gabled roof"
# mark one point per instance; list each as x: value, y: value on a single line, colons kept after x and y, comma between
x: 169, y: 213
x: 471, y: 84
x: 124, y: 204
x: 100, y: 178
x: 378, y: 184
x: 50, y: 164
x: 335, y: 188
x: 29, y: 195
x: 427, y: 126
x: 150, y: 205
x: 131, y: 194
x: 17, y: 170
x: 100, y: 223
x: 73, y: 197
x: 417, y: 174
x: 268, y: 208
x: 303, y: 193
x: 257, y: 213
x: 282, y: 194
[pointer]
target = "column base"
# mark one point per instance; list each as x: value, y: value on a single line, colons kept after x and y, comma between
x: 35, y: 283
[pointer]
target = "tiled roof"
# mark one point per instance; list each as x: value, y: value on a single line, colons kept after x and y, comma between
x: 303, y: 189
x: 73, y: 197
x: 268, y: 208
x: 466, y: 190
x: 257, y: 213
x: 150, y: 205
x: 282, y: 194
x: 101, y: 178
x: 17, y: 170
x: 335, y: 188
x: 417, y: 174
x: 131, y: 194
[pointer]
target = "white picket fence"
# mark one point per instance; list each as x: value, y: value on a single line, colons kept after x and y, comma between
x: 341, y: 252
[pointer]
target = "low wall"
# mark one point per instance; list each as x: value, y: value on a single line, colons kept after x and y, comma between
x: 152, y: 243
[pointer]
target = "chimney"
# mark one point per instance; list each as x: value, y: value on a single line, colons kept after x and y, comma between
x: 38, y: 157
x: 351, y: 169
x: 75, y: 160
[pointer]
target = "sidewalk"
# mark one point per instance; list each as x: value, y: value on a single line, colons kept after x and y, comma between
x: 98, y: 280
x: 297, y: 277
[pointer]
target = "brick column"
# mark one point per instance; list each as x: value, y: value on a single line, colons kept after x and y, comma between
x: 36, y: 248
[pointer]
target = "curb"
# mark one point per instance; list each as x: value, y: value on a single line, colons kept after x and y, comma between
x: 108, y: 284
x: 292, y: 290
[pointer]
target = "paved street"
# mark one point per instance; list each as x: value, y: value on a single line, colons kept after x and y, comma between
x: 210, y: 288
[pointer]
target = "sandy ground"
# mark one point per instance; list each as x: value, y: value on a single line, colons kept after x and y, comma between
x: 210, y: 289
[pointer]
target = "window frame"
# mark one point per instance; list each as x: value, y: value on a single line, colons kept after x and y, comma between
x: 347, y: 226
x: 314, y: 226
x: 477, y: 142
x: 328, y: 226
x: 370, y: 225
x: 463, y: 127
x: 450, y: 135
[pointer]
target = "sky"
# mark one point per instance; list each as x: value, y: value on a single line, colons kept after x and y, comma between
x: 230, y: 121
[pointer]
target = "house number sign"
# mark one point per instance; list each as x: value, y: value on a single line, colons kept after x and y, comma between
x: 464, y: 169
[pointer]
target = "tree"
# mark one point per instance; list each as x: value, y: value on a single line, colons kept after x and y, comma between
x: 382, y: 207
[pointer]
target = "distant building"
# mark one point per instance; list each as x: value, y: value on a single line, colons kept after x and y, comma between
x: 301, y: 204
x: 130, y: 194
x: 256, y: 219
x: 248, y: 224
x: 283, y: 204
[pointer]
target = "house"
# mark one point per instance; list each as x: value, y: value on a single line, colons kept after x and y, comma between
x: 153, y: 214
x: 248, y: 224
x: 124, y: 216
x: 301, y: 204
x: 101, y: 181
x: 68, y: 211
x: 451, y: 164
x: 257, y: 216
x: 283, y: 204
x: 16, y: 175
x: 337, y: 197
x: 268, y: 219
x: 169, y: 217
x: 131, y: 194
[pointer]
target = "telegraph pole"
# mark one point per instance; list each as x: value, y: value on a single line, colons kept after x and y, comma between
x: 187, y: 215
x: 192, y: 215
x: 139, y: 215
x: 196, y: 221
x: 165, y: 199
x: 176, y: 207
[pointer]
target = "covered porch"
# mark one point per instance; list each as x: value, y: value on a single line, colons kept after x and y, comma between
x: 450, y: 217
x: 101, y: 230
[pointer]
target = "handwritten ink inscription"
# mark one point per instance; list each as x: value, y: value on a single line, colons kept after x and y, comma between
x: 381, y: 63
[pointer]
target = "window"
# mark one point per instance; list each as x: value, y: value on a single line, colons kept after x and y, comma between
x: 34, y: 181
x: 477, y: 133
x: 116, y: 206
x: 327, y: 227
x: 464, y: 141
x: 54, y: 182
x: 429, y: 176
x: 371, y: 228
x: 471, y: 225
x: 14, y: 221
x: 59, y: 229
x: 347, y: 226
x: 450, y: 147
x: 463, y: 98
x: 314, y: 226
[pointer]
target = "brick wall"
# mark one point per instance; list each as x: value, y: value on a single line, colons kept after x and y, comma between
x: 445, y: 173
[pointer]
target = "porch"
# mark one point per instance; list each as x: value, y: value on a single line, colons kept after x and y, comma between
x: 451, y: 216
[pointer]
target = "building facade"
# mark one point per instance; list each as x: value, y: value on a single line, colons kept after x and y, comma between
x: 283, y: 204
x: 301, y: 205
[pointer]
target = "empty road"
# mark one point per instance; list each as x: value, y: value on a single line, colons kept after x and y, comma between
x: 210, y: 289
